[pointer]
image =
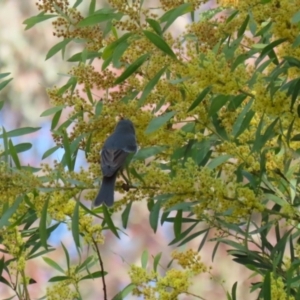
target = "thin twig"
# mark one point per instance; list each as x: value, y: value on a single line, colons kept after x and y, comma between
x: 102, y: 270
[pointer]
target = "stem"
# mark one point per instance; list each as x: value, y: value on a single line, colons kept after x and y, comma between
x: 102, y: 269
x: 27, y: 296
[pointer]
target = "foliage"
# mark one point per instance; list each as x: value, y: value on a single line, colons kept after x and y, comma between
x: 216, y: 110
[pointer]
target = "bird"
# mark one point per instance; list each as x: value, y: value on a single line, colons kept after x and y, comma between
x: 113, y: 155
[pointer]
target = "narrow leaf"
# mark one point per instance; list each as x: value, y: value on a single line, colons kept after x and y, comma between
x: 158, y: 122
x: 199, y: 98
x: 4, y: 83
x: 21, y: 131
x: 52, y: 110
x: 56, y: 48
x: 132, y: 68
x: 53, y: 264
x: 159, y: 43
x: 43, y: 225
x: 150, y: 85
x: 109, y: 222
x: 144, y: 259
x: 75, y: 225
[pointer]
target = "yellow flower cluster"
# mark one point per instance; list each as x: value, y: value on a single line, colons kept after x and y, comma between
x: 14, y: 244
x: 278, y: 291
x: 66, y: 25
x: 191, y: 260
x: 153, y: 286
x: 61, y: 290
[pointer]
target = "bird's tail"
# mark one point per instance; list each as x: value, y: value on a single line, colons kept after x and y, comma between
x: 106, y: 193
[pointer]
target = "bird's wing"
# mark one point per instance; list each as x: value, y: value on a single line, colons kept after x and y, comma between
x: 112, y: 160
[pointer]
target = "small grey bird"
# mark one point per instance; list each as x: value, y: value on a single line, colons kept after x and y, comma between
x: 113, y: 155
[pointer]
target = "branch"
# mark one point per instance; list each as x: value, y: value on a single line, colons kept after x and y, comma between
x: 102, y: 270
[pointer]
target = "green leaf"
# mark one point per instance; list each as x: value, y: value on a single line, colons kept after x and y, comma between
x: 92, y: 7
x: 217, y: 103
x: 229, y: 49
x: 5, y: 143
x: 232, y: 16
x: 260, y: 140
x: 156, y: 261
x: 50, y: 151
x: 125, y: 292
x: 88, y: 262
x: 203, y: 240
x: 144, y: 259
x: 245, y: 123
x: 21, y: 147
x: 193, y: 236
x: 125, y: 214
x: 177, y: 223
x: 215, y: 251
x: 53, y: 264
x: 150, y: 85
x: 154, y: 215
x: 72, y: 82
x: 158, y: 122
x: 132, y: 68
x: 200, y: 98
x: 98, y: 108
x: 183, y: 234
x: 78, y: 56
x: 264, y: 29
x: 55, y: 119
x: 296, y: 42
x: 296, y: 17
x: 233, y: 291
x: 58, y: 278
x: 270, y: 47
x: 6, y: 215
x: 118, y: 52
x: 237, y: 127
x: 170, y: 16
x: 30, y: 22
x: 2, y: 75
x: 219, y: 127
x: 43, y: 225
x: 292, y: 61
x: 75, y: 225
x: 243, y: 26
x: 67, y: 255
x: 239, y: 60
x: 266, y: 288
x: 77, y: 3
x: 21, y: 131
x: 108, y: 51
x: 148, y: 152
x: 154, y: 25
x: 275, y: 199
x: 93, y: 275
x: 252, y: 24
x: 109, y: 221
x: 4, y: 83
x: 99, y: 17
x: 52, y: 110
x: 218, y: 161
x: 56, y: 48
x: 68, y: 154
x: 14, y: 155
x: 159, y: 43
x: 1, y: 104
x: 236, y: 102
